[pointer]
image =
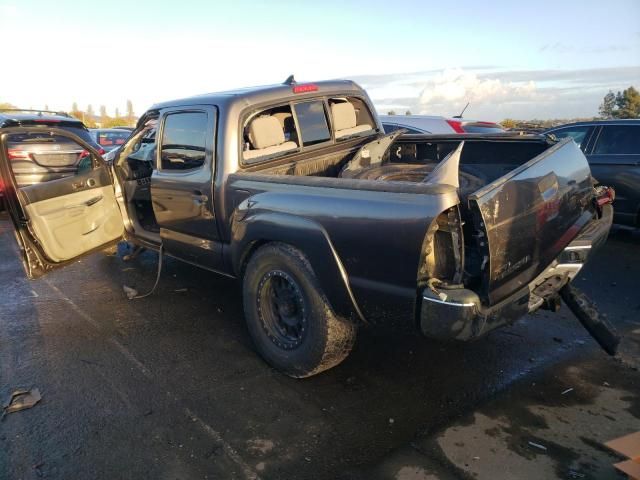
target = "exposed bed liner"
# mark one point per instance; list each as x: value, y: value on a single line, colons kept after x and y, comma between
x: 412, y: 157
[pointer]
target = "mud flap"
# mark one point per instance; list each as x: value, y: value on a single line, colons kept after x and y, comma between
x: 595, y: 323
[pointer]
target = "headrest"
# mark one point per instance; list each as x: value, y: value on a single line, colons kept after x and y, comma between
x: 265, y: 131
x: 344, y: 115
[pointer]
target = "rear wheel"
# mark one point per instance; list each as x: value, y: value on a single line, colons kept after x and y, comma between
x: 288, y: 317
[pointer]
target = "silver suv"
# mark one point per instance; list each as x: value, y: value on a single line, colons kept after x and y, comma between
x: 437, y: 125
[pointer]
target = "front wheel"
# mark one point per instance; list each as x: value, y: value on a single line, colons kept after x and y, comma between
x: 288, y: 317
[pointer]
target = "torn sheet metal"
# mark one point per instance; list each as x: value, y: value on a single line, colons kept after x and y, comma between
x: 447, y: 171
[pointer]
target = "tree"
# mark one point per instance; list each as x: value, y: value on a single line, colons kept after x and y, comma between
x: 391, y: 112
x: 76, y: 112
x: 628, y: 103
x: 103, y: 115
x: 408, y: 112
x: 114, y: 122
x: 130, y: 113
x: 608, y: 105
x: 6, y: 105
x: 89, y: 118
x: 509, y: 123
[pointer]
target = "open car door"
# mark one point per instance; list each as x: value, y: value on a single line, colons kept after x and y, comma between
x: 60, y: 195
x: 530, y: 215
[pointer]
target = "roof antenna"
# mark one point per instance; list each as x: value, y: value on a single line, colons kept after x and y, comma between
x: 465, y: 107
x: 290, y: 80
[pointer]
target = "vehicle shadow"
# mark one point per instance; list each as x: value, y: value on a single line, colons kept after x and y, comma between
x: 394, y: 386
x: 190, y: 335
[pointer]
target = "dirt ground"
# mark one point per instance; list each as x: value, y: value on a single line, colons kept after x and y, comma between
x: 169, y: 387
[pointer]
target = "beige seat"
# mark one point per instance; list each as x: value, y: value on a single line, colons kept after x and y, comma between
x: 267, y: 137
x: 344, y: 120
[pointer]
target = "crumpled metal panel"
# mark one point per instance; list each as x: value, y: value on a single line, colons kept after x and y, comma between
x: 530, y: 215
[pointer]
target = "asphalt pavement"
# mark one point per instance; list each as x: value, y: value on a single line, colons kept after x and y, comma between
x: 169, y: 387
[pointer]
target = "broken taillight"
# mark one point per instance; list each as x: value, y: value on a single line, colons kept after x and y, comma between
x: 85, y: 153
x: 605, y: 195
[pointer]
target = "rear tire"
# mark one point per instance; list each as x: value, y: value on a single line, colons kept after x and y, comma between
x: 288, y: 316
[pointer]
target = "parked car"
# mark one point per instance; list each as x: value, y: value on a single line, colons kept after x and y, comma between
x: 612, y: 148
x: 109, y: 138
x: 42, y: 157
x: 435, y: 124
x: 293, y: 190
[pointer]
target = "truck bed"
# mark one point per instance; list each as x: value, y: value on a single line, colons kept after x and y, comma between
x: 393, y: 235
x: 484, y: 159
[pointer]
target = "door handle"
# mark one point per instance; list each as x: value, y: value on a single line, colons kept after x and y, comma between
x: 88, y: 203
x: 89, y: 183
x: 199, y: 197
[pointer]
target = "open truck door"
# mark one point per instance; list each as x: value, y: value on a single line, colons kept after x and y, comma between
x: 65, y: 214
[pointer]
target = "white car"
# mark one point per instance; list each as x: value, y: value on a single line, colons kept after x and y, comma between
x: 435, y: 124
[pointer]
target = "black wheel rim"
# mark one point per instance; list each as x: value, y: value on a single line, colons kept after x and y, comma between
x: 282, y: 309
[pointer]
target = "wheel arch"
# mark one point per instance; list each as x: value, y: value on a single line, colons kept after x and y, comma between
x: 310, y: 238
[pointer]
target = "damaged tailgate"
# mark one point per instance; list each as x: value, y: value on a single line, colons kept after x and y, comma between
x: 524, y: 219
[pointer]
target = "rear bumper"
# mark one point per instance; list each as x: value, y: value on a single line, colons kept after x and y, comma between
x: 458, y: 314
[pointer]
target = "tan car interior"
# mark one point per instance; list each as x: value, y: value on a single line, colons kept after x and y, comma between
x: 70, y: 225
x: 274, y: 131
x: 345, y: 122
x: 267, y: 137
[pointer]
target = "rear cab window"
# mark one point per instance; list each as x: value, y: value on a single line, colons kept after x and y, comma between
x: 298, y: 125
x: 350, y: 117
x: 269, y: 133
x: 312, y: 121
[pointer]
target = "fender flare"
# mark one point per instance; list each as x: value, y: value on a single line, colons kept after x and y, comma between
x: 255, y: 228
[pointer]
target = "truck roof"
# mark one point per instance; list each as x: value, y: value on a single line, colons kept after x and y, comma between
x: 265, y: 93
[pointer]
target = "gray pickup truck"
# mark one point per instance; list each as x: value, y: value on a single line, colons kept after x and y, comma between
x: 295, y: 191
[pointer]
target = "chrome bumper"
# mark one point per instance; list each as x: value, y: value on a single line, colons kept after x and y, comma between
x: 460, y: 315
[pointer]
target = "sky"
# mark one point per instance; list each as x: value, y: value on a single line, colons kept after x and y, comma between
x: 509, y: 59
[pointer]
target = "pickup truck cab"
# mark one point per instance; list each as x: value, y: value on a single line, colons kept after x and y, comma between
x: 328, y: 223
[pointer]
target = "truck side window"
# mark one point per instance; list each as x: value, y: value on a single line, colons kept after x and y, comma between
x: 312, y: 121
x: 184, y: 140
